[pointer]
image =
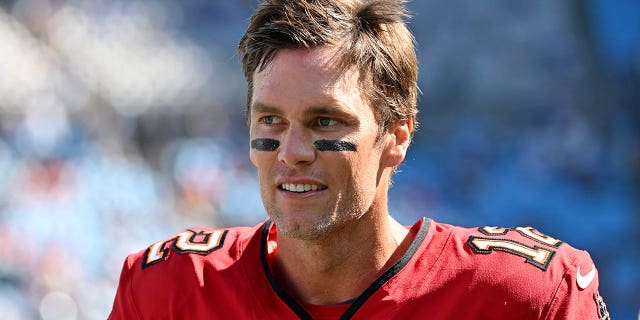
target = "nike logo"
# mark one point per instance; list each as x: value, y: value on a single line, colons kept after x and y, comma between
x: 585, y: 281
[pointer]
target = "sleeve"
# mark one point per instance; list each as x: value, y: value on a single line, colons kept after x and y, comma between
x: 123, y: 305
x: 577, y: 295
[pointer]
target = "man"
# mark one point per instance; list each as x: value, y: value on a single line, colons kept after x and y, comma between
x: 331, y: 111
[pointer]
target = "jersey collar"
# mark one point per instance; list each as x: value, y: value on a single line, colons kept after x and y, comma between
x: 362, y: 298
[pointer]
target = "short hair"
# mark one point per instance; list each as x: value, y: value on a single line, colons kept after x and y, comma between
x: 372, y: 35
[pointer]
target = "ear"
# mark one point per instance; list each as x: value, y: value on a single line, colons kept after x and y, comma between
x: 399, y: 137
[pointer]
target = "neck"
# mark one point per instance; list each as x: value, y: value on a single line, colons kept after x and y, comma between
x: 341, y: 265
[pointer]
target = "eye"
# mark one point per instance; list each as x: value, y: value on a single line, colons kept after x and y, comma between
x: 326, y: 122
x: 269, y: 120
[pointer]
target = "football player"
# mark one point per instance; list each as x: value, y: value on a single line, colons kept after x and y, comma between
x: 331, y: 112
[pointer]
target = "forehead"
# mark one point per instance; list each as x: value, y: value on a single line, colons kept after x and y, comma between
x: 319, y: 59
x: 316, y: 57
x: 299, y: 75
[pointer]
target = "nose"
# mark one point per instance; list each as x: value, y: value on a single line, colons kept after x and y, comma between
x: 296, y: 148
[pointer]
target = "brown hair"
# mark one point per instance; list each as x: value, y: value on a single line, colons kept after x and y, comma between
x: 372, y: 36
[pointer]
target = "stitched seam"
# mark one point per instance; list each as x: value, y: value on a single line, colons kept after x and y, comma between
x: 554, y: 298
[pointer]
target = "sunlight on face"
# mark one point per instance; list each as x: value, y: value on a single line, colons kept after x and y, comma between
x: 300, y: 102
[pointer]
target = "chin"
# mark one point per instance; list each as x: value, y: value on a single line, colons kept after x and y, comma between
x: 303, y: 228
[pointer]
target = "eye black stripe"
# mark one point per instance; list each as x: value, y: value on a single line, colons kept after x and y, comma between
x: 265, y: 144
x: 334, y: 145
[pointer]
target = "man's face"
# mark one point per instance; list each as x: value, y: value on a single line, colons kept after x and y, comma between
x: 314, y: 143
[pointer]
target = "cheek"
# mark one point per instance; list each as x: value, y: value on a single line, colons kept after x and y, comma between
x: 357, y: 170
x: 261, y: 160
x: 261, y: 163
x: 253, y: 156
x: 368, y: 168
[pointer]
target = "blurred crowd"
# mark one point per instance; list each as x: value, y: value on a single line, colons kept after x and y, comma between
x: 122, y: 123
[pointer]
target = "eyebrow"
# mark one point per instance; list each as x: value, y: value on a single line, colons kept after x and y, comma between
x: 262, y: 108
x: 320, y: 110
x: 330, y: 110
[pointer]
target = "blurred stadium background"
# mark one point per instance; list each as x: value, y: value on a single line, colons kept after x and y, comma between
x: 121, y: 122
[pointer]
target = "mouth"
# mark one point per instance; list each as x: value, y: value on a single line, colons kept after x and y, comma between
x: 301, y: 188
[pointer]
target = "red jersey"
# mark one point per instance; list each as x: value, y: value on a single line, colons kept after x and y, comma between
x: 447, y: 273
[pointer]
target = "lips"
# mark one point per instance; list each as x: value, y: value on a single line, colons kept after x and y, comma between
x: 301, y: 187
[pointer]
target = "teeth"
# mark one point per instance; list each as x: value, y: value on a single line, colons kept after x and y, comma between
x: 300, y: 187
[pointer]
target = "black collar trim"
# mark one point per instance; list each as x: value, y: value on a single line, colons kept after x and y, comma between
x: 360, y: 300
x: 284, y: 296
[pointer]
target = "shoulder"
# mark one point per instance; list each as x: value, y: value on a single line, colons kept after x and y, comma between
x: 152, y: 277
x: 199, y: 244
x: 520, y: 265
x: 194, y: 243
x: 488, y: 247
x: 189, y: 252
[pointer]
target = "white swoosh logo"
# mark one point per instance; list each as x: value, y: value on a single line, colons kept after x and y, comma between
x: 585, y: 281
